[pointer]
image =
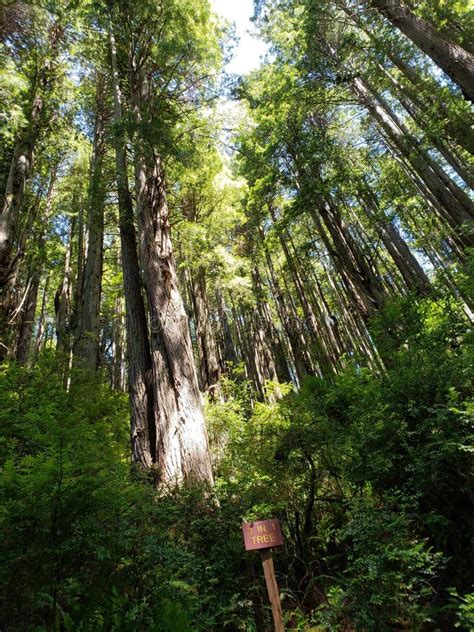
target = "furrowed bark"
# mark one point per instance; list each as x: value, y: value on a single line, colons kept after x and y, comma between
x: 143, y: 432
x: 181, y: 438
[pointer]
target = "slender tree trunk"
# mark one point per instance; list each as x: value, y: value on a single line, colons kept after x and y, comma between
x: 302, y: 363
x: 87, y: 334
x: 456, y: 62
x: 229, y: 354
x: 458, y: 208
x: 62, y: 299
x: 18, y: 177
x: 40, y: 331
x: 408, y: 102
x: 208, y: 360
x: 25, y: 331
x: 366, y: 293
x: 326, y: 327
x: 323, y: 357
x: 457, y: 127
x: 268, y: 348
x: 182, y: 444
x: 118, y: 347
x: 411, y: 271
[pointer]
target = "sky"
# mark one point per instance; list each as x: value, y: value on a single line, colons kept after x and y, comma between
x: 249, y: 50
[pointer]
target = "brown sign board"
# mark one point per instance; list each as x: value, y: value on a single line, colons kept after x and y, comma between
x: 262, y: 534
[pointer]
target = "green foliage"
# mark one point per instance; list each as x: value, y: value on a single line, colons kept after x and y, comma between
x: 85, y: 544
x: 465, y: 614
x: 370, y: 476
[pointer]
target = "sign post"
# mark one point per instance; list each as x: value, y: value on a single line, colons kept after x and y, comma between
x: 263, y: 535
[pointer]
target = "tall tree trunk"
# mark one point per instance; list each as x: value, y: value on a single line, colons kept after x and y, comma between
x: 208, y: 359
x: 326, y: 326
x: 423, y: 91
x: 271, y: 357
x: 229, y: 353
x: 62, y: 299
x: 182, y: 445
x: 411, y: 271
x: 366, y: 291
x: 118, y: 347
x: 19, y: 175
x: 457, y: 206
x: 40, y: 330
x: 25, y: 330
x: 301, y: 361
x: 143, y: 430
x: 87, y: 334
x: 312, y: 323
x: 456, y: 62
x: 408, y: 101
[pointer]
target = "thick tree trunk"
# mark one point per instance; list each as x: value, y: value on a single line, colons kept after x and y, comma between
x: 456, y: 62
x: 143, y: 431
x: 181, y: 438
x: 87, y: 334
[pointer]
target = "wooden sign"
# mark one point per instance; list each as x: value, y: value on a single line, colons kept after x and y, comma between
x: 262, y: 534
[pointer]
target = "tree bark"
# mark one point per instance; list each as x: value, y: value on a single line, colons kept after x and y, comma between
x: 87, y: 334
x: 181, y: 437
x: 456, y: 62
x: 19, y: 175
x: 25, y: 330
x: 411, y: 271
x: 62, y: 299
x: 457, y: 206
x: 208, y: 360
x: 143, y: 431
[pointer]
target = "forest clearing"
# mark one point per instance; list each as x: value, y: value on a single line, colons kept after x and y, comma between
x: 236, y: 315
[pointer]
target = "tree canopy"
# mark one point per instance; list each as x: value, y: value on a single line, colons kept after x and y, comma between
x: 229, y: 298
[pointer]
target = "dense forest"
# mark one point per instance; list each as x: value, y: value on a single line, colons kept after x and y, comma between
x: 227, y: 298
